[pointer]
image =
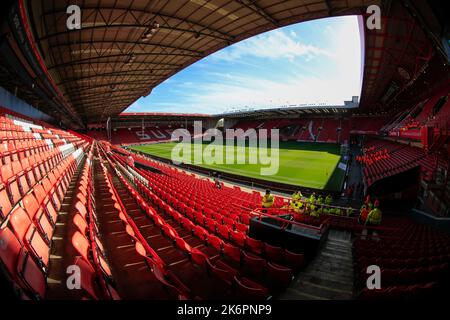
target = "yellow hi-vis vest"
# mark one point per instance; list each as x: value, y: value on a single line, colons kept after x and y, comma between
x: 295, y: 199
x: 267, y: 201
x: 374, y: 216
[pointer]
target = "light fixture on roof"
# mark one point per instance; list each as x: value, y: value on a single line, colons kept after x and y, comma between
x: 150, y: 32
x: 131, y: 59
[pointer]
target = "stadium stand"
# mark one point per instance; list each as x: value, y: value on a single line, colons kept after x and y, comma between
x: 193, y: 247
x: 414, y: 262
x: 398, y: 158
x: 135, y: 136
x: 84, y: 216
x: 38, y: 164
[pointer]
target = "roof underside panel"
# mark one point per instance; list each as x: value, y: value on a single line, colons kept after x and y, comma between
x: 116, y: 58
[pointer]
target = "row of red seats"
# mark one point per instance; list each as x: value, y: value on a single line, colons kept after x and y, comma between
x: 19, y: 177
x: 328, y: 131
x: 85, y: 238
x: 195, y: 205
x: 200, y: 225
x: 416, y: 256
x: 243, y: 252
x: 224, y: 200
x: 324, y: 129
x: 163, y: 273
x: 398, y: 162
x: 17, y: 149
x: 372, y: 124
x: 196, y: 255
x: 136, y: 135
x: 234, y: 219
x: 201, y: 195
x: 155, y: 263
x: 400, y: 292
x: 27, y: 230
x: 14, y: 134
x: 400, y: 158
x: 9, y: 132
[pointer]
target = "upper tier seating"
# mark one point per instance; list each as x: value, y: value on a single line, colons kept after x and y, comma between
x: 399, y: 158
x: 320, y: 130
x: 126, y: 136
x: 371, y: 125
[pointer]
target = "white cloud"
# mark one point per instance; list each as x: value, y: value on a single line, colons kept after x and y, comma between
x: 332, y: 78
x: 333, y: 86
x: 260, y: 93
x: 274, y: 45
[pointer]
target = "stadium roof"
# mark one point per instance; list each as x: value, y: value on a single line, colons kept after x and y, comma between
x: 163, y: 114
x: 127, y: 47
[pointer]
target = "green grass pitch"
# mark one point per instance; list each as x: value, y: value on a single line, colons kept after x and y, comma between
x: 308, y: 165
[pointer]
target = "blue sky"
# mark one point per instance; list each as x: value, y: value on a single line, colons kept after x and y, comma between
x: 312, y: 62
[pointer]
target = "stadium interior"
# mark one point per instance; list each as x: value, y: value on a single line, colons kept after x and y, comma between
x: 85, y: 186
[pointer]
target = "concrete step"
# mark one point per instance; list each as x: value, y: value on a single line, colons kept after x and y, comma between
x: 329, y: 276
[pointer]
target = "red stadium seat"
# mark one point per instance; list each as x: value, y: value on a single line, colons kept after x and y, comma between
x: 254, y: 265
x: 5, y: 204
x: 39, y: 193
x: 37, y: 172
x: 104, y: 266
x: 229, y: 222
x: 181, y: 291
x: 294, y: 260
x: 30, y: 205
x: 51, y: 212
x: 230, y: 270
x: 170, y: 232
x: 226, y: 274
x: 215, y: 242
x: 199, y: 219
x: 245, y: 219
x: 44, y: 224
x: 6, y: 172
x: 232, y: 252
x: 47, y: 185
x: 241, y: 227
x: 14, y: 192
x: 22, y: 269
x: 187, y: 224
x: 198, y: 257
x: 81, y: 224
x: 238, y: 238
x: 278, y: 275
x: 29, y: 235
x: 30, y: 177
x: 200, y: 233
x: 87, y: 278
x: 248, y: 289
x: 23, y: 184
x: 211, y: 225
x: 81, y: 245
x: 223, y: 231
x: 254, y: 245
x: 81, y: 209
x: 217, y: 217
x: 183, y: 245
x: 273, y: 253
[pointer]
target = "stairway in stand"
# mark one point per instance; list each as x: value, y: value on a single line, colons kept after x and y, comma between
x: 330, y: 275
